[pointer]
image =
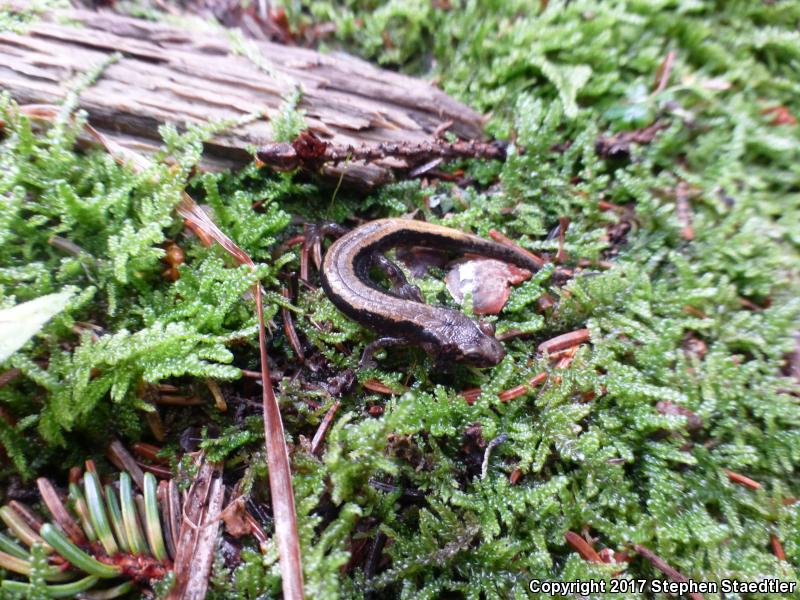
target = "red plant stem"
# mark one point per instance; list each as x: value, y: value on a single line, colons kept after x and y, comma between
x: 662, y: 566
x: 286, y: 244
x: 502, y: 239
x: 567, y: 340
x: 150, y: 452
x: 563, y: 223
x: 565, y: 353
x: 327, y: 421
x: 30, y: 518
x: 171, y: 400
x: 735, y: 477
x: 603, y: 205
x: 255, y: 528
x: 373, y: 385
x: 288, y: 328
x: 582, y: 547
x: 158, y: 471
x: 777, y: 547
x: 663, y: 72
x: 304, y: 255
x: 124, y: 461
x: 472, y: 394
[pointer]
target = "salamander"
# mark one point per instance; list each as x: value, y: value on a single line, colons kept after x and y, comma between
x: 400, y: 315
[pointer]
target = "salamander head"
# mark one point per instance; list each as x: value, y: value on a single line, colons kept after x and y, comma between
x: 471, y: 343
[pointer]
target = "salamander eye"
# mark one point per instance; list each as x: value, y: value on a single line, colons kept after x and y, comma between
x: 486, y: 328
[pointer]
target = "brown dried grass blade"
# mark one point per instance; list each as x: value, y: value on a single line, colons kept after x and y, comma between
x: 124, y: 461
x: 60, y: 513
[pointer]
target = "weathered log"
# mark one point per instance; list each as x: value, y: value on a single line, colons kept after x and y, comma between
x: 173, y: 75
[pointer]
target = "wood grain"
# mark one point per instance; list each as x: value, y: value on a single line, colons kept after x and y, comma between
x: 178, y: 75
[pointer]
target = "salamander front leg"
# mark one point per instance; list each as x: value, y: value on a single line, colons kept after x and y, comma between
x: 400, y: 285
x: 314, y: 234
x: 367, y: 360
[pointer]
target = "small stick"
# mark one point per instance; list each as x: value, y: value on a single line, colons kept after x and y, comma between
x: 563, y: 223
x: 573, y: 338
x: 695, y: 312
x: 561, y: 354
x: 663, y: 72
x: 172, y: 400
x: 777, y: 547
x: 219, y: 399
x: 604, y: 206
x: 255, y: 529
x: 662, y: 566
x: 582, y: 547
x: 735, y: 477
x: 304, y: 255
x: 502, y: 239
x: 487, y: 453
x: 373, y: 385
x: 288, y: 328
x: 150, y: 452
x: 375, y: 554
x: 158, y: 471
x: 284, y: 246
x: 470, y: 395
x: 327, y: 421
x: 523, y: 389
x: 124, y: 461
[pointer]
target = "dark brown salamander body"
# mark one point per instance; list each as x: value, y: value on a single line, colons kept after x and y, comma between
x: 446, y: 334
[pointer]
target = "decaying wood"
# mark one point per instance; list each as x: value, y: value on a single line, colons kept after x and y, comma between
x: 172, y: 75
x: 197, y: 539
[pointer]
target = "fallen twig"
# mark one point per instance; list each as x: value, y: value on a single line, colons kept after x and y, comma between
x: 503, y: 239
x: 662, y: 566
x: 310, y: 152
x: 777, y: 547
x: 289, y: 330
x: 327, y: 421
x: 663, y: 72
x: 740, y: 479
x: 567, y: 340
x: 124, y: 461
x: 373, y: 385
x: 582, y: 547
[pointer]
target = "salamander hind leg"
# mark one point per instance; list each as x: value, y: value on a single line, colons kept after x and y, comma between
x: 400, y: 285
x: 367, y: 358
x: 315, y: 232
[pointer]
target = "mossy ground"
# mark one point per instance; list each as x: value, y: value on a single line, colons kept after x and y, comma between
x: 704, y: 323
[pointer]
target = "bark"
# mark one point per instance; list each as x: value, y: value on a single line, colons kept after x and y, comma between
x: 169, y: 74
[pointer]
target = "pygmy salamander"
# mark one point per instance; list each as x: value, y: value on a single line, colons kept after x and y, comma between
x: 400, y: 314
